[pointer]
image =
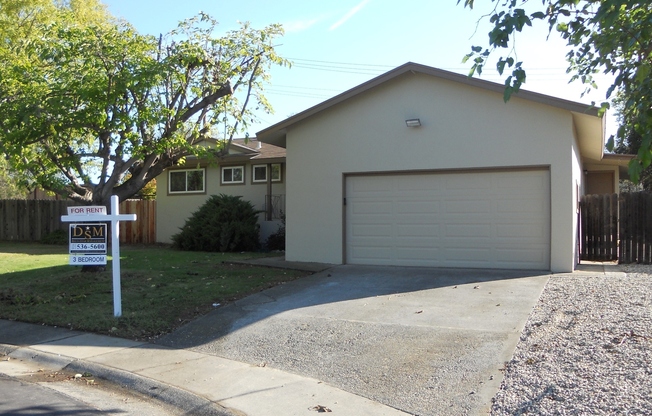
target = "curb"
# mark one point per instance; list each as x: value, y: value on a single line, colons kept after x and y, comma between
x: 181, y: 399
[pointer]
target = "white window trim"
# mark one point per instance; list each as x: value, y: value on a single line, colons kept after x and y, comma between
x: 203, y: 184
x: 253, y: 177
x: 222, y: 181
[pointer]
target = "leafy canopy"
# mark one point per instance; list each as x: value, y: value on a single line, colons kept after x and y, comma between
x: 609, y: 36
x: 90, y: 108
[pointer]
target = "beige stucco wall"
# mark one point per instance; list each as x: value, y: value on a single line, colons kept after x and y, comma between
x: 173, y: 210
x: 577, y: 190
x: 462, y: 127
x: 604, y: 167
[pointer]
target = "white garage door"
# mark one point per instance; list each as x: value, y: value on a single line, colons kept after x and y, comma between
x: 485, y: 219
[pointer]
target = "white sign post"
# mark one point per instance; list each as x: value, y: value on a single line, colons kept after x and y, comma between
x: 98, y: 213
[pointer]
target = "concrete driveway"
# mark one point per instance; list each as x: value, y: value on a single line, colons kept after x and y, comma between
x: 425, y: 341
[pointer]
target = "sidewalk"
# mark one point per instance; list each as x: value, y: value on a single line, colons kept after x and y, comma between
x: 194, y: 382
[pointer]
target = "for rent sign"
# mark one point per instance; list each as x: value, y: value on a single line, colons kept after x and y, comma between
x: 99, y: 209
x: 88, y: 238
x: 88, y: 241
x: 87, y: 244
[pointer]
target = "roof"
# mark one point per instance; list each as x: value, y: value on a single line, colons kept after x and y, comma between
x: 251, y: 147
x: 589, y: 126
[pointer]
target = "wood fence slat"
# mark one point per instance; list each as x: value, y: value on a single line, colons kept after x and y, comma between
x: 31, y: 220
x: 614, y: 226
x: 599, y: 228
x: 602, y: 219
x: 622, y: 241
x: 584, y: 216
x: 647, y: 252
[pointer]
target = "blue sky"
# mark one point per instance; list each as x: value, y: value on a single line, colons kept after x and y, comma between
x: 337, y: 44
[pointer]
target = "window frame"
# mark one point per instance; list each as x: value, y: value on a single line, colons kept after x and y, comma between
x: 280, y: 173
x: 240, y: 182
x: 186, y: 191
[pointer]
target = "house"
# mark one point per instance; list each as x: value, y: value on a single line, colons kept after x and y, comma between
x: 252, y: 169
x: 424, y: 167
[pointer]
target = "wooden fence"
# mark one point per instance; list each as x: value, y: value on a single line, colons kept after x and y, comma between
x: 31, y: 220
x: 599, y: 227
x: 635, y: 228
x: 616, y: 227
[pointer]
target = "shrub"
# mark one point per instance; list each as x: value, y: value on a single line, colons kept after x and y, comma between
x: 55, y: 237
x: 223, y: 223
x: 276, y: 241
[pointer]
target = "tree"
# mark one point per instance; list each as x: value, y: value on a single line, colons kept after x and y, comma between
x: 629, y: 142
x: 90, y: 108
x: 9, y: 188
x: 609, y: 36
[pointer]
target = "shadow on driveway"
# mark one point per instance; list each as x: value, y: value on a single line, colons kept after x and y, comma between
x: 426, y: 341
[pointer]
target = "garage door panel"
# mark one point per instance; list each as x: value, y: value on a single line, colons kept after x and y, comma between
x: 476, y: 219
x: 523, y: 256
x: 415, y: 207
x: 368, y: 186
x: 526, y: 181
x: 462, y: 183
x: 469, y: 230
x: 512, y: 231
x: 417, y: 242
x: 417, y: 230
x: 371, y: 255
x: 419, y: 184
x: 373, y: 207
x: 462, y: 206
x: 527, y: 206
x: 372, y: 230
x: 418, y: 253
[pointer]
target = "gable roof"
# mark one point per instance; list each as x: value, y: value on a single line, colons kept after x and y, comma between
x: 589, y: 126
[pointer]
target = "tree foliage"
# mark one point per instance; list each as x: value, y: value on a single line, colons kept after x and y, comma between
x: 90, y: 108
x: 9, y: 187
x: 629, y: 142
x: 609, y: 36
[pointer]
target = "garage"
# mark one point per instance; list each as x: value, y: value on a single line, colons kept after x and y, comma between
x: 478, y: 219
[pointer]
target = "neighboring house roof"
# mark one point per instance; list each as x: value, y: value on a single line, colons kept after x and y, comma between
x: 257, y: 149
x: 588, y: 125
x: 250, y: 149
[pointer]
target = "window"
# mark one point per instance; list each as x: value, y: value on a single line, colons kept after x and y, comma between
x: 233, y: 174
x: 186, y: 181
x: 259, y: 173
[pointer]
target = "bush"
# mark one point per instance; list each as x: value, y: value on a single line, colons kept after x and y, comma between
x: 223, y: 223
x: 55, y: 237
x: 276, y: 241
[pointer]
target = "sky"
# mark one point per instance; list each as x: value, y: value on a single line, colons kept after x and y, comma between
x: 336, y: 45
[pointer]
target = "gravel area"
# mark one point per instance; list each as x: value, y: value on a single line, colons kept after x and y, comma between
x: 586, y: 348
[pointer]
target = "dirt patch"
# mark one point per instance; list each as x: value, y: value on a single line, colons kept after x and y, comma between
x: 48, y: 376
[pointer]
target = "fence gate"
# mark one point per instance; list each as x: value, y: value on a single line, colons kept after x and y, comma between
x: 599, y: 227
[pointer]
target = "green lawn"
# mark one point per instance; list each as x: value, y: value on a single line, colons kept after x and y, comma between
x: 162, y: 288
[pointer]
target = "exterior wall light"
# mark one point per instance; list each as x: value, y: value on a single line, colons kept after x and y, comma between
x: 413, y: 122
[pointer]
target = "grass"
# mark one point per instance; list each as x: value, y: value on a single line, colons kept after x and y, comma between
x: 162, y: 288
